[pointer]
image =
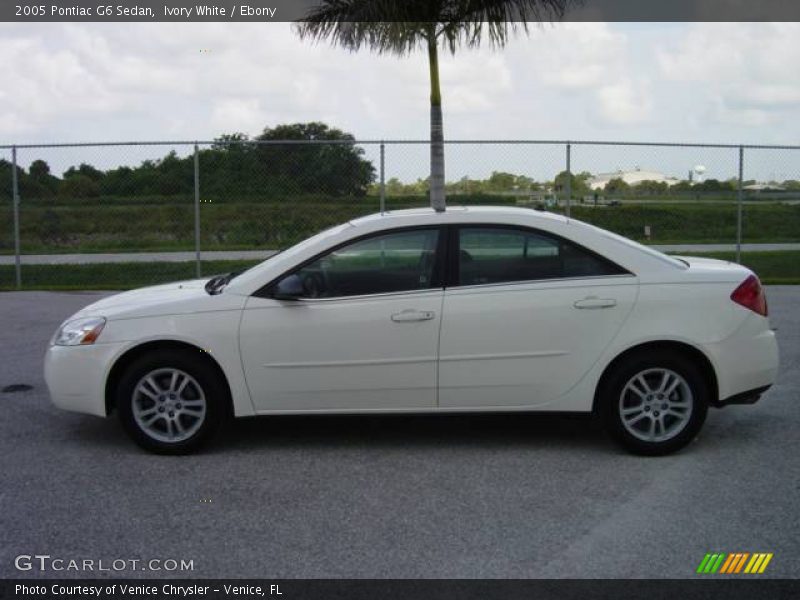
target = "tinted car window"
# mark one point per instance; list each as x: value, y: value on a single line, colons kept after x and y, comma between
x: 497, y: 255
x: 394, y: 262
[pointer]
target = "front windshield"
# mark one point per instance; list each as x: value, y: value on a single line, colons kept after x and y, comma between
x: 300, y: 246
x: 285, y: 254
x: 217, y: 283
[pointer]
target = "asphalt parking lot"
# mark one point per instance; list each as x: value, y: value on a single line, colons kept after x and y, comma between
x: 432, y: 497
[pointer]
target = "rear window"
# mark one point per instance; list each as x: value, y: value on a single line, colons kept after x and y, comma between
x: 681, y: 264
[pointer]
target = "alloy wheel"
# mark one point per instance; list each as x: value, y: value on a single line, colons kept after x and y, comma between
x: 169, y: 405
x: 656, y: 404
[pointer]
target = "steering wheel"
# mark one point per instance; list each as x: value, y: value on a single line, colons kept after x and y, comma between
x: 314, y: 285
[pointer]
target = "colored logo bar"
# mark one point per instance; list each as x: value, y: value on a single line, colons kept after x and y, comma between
x: 734, y: 563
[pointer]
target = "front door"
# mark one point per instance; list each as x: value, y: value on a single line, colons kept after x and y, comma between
x: 363, y: 336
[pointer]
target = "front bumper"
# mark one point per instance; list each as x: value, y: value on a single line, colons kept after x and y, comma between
x: 76, y: 376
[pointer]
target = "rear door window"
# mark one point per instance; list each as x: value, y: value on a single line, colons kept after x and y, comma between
x: 493, y: 255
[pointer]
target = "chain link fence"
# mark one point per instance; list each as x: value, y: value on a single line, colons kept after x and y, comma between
x: 121, y: 215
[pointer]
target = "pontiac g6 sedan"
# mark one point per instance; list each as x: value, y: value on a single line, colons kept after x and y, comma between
x: 477, y: 309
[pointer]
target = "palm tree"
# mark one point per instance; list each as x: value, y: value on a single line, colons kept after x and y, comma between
x: 402, y: 26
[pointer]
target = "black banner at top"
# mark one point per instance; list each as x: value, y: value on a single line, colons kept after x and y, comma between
x: 151, y: 11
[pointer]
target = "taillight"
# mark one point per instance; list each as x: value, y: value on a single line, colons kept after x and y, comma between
x: 750, y: 294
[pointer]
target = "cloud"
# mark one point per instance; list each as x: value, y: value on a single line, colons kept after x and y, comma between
x: 625, y: 103
x: 39, y: 84
x: 578, y: 55
x: 592, y: 59
x: 238, y: 114
x: 102, y: 81
x: 460, y: 75
x: 747, y: 69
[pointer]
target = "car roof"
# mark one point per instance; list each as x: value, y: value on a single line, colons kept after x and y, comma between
x: 454, y: 213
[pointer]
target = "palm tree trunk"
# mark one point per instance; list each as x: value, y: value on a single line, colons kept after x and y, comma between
x: 438, y: 201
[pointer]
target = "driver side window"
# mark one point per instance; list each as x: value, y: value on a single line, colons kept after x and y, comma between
x: 393, y: 262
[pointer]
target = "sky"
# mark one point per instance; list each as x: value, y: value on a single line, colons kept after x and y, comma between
x: 681, y: 82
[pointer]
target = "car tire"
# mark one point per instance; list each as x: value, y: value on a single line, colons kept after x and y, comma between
x: 654, y: 404
x: 171, y: 402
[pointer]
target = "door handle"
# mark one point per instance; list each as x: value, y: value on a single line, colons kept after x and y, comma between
x: 594, y: 302
x: 407, y: 316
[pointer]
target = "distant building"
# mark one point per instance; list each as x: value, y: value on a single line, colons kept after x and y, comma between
x: 764, y: 187
x: 599, y: 181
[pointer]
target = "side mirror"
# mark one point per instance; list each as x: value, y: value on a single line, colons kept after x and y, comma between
x: 289, y: 288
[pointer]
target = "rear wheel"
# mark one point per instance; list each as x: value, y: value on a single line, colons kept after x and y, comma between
x: 655, y: 404
x: 170, y: 402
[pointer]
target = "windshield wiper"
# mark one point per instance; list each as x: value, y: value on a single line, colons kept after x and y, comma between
x: 217, y: 283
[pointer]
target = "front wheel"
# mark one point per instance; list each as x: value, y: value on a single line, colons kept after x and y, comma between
x: 170, y: 402
x: 655, y: 404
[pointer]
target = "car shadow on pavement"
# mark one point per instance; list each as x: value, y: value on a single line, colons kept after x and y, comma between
x: 411, y: 431
x: 288, y: 432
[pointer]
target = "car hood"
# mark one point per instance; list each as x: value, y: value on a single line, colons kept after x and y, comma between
x: 168, y: 299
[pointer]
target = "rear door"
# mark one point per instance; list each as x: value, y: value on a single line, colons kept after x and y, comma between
x: 526, y: 314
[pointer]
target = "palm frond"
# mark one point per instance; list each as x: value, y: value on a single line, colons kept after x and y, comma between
x: 469, y: 22
x: 381, y: 25
x: 400, y: 26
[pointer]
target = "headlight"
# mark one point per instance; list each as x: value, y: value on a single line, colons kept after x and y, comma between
x: 79, y: 332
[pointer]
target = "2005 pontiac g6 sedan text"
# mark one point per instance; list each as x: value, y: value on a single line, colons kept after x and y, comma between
x: 478, y: 309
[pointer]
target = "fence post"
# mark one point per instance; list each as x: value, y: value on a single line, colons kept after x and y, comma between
x: 739, y: 200
x: 15, y: 200
x: 383, y: 178
x: 197, y: 211
x: 569, y: 178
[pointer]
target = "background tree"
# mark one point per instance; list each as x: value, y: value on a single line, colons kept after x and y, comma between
x: 649, y: 187
x: 39, y: 182
x: 617, y: 186
x: 336, y: 168
x: 579, y: 185
x: 39, y: 170
x: 500, y: 181
x: 231, y: 142
x: 388, y: 26
x: 6, y: 177
x: 714, y: 185
x: 232, y: 168
x: 79, y: 186
x: 84, y: 170
x: 394, y: 187
x: 680, y: 187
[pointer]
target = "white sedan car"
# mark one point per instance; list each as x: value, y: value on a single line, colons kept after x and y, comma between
x: 468, y: 310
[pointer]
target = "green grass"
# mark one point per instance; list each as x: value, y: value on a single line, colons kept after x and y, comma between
x: 772, y: 267
x: 165, y: 226
x: 702, y: 223
x: 112, y: 276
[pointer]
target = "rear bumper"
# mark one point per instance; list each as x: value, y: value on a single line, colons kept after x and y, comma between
x: 748, y: 397
x: 746, y: 363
